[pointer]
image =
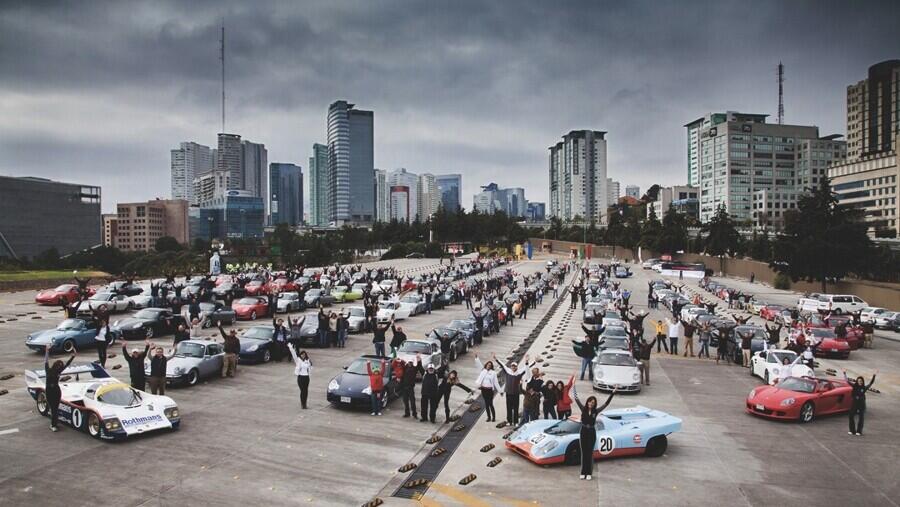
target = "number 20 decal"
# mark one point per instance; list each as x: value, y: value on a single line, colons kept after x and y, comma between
x: 606, y: 445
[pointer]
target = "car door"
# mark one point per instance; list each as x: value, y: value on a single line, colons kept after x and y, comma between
x: 84, y: 337
x: 828, y: 398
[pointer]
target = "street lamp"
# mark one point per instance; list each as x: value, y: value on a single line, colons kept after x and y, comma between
x: 210, y: 219
x: 243, y: 222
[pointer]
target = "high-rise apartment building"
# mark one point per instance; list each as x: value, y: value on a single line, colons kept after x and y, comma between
x: 110, y: 229
x: 318, y: 186
x: 613, y: 190
x: 693, y: 144
x: 189, y: 160
x: 428, y: 197
x: 382, y: 196
x: 492, y: 199
x: 410, y: 183
x: 633, y: 191
x: 402, y: 208
x: 873, y: 112
x: 740, y: 154
x: 228, y: 160
x: 255, y: 169
x: 351, y: 164
x: 209, y: 186
x: 140, y: 224
x: 578, y: 176
x: 449, y: 186
x: 286, y: 194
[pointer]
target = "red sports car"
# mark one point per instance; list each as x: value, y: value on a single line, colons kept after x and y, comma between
x: 66, y: 293
x: 829, y: 344
x: 855, y: 335
x: 800, y: 399
x: 250, y: 308
x: 769, y: 312
x: 282, y: 285
x: 255, y: 288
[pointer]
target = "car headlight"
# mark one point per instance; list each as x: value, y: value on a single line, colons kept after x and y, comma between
x: 333, y: 385
x: 179, y: 370
x: 598, y: 372
x: 367, y: 390
x: 636, y: 377
x: 136, y: 326
x: 788, y: 402
x: 752, y: 393
x: 171, y: 413
x: 253, y: 348
x: 112, y: 424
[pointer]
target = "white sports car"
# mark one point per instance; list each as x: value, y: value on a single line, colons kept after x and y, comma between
x: 883, y: 321
x: 616, y: 368
x: 428, y: 349
x: 393, y: 308
x: 767, y: 365
x: 102, y: 406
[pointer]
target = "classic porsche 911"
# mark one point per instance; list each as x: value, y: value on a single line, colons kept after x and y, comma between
x: 193, y: 360
x: 69, y: 335
x: 102, y: 406
x: 620, y: 432
x: 800, y: 399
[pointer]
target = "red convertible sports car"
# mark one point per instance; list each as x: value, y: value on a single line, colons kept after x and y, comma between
x: 255, y: 288
x: 250, y: 308
x: 829, y: 344
x: 67, y: 293
x: 800, y: 399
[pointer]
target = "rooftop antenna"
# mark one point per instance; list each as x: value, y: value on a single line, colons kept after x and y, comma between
x: 780, y: 93
x: 222, y: 58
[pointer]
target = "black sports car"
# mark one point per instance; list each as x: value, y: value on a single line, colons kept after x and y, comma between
x: 466, y: 329
x: 256, y: 345
x: 460, y: 344
x: 216, y: 313
x: 309, y: 332
x: 352, y: 388
x: 147, y: 323
x: 124, y: 288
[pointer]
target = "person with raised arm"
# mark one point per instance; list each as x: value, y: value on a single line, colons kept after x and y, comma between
x: 51, y: 384
x: 302, y: 369
x: 587, y: 437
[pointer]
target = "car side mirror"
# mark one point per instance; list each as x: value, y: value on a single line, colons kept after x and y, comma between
x: 345, y: 367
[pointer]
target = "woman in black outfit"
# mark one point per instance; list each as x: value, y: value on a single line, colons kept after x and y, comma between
x: 858, y: 408
x: 588, y: 436
x: 448, y: 383
x: 51, y: 388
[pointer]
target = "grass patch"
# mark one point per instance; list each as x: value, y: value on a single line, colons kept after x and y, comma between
x: 18, y: 276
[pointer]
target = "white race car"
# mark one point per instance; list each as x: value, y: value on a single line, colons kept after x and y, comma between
x: 616, y: 368
x: 768, y: 365
x: 102, y: 406
x: 389, y: 309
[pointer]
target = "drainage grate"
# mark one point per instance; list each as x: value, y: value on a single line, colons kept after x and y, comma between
x: 429, y: 468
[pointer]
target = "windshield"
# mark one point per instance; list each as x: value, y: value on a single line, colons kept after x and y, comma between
x: 411, y: 347
x: 614, y: 343
x: 101, y: 296
x: 822, y: 333
x: 615, y: 331
x: 799, y: 385
x: 460, y: 324
x: 358, y: 367
x: 314, y: 292
x: 410, y: 299
x: 387, y: 305
x: 290, y: 296
x: 247, y: 301
x: 259, y: 333
x: 779, y: 357
x: 616, y: 360
x: 357, y: 312
x: 123, y: 397
x: 186, y: 349
x: 146, y: 314
x: 69, y: 324
x: 63, y: 288
x: 207, y: 307
x: 568, y: 427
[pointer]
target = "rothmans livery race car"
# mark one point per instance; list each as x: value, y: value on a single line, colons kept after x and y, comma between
x: 102, y: 406
x: 620, y: 432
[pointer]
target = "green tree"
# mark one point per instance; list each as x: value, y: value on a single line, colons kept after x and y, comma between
x: 650, y: 232
x: 722, y: 238
x: 167, y: 244
x: 760, y: 247
x: 822, y: 240
x: 673, y: 236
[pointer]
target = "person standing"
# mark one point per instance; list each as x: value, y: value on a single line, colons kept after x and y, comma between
x: 397, y: 339
x: 429, y: 390
x: 102, y: 341
x: 343, y: 329
x: 551, y: 397
x: 181, y: 334
x: 746, y: 345
x: 588, y: 434
x: 158, y: 363
x: 448, y: 383
x: 280, y: 336
x: 705, y: 335
x: 379, y: 336
x: 323, y: 326
x: 512, y: 388
x: 644, y: 351
x: 858, y: 406
x: 564, y: 401
x: 407, y: 377
x: 302, y: 369
x: 51, y: 384
x: 674, y: 332
x: 232, y: 348
x: 688, y: 338
x: 661, y: 342
x: 135, y: 362
x: 376, y: 384
x: 489, y: 386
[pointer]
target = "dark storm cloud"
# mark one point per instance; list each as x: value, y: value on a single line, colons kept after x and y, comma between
x: 103, y: 90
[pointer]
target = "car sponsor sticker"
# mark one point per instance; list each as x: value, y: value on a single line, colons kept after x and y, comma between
x: 345, y: 399
x: 636, y: 439
x: 76, y: 418
x: 606, y: 445
x: 134, y: 421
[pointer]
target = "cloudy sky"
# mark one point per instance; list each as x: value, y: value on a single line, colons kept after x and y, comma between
x: 99, y: 92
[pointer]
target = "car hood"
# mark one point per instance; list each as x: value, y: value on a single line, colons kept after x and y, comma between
x: 534, y: 428
x: 351, y: 384
x: 282, y: 303
x: 146, y: 417
x: 772, y: 396
x: 127, y: 323
x: 185, y: 363
x: 246, y: 343
x: 46, y: 294
x: 47, y: 336
x: 617, y: 374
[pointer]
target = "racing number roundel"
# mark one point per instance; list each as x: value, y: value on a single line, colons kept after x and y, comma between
x: 76, y: 418
x: 606, y: 445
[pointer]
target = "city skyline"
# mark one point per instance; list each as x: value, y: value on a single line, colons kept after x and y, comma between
x: 443, y: 107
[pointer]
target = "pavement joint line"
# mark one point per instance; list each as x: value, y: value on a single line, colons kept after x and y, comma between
x: 9, y: 431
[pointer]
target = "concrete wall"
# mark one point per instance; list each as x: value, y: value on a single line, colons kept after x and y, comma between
x: 875, y: 293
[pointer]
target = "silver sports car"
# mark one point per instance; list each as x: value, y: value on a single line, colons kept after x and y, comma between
x: 192, y: 361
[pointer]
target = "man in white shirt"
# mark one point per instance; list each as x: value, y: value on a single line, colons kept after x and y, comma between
x: 674, y: 333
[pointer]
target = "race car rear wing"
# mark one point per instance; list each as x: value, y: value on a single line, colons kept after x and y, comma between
x: 35, y: 378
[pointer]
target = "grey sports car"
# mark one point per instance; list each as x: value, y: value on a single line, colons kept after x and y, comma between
x: 192, y: 361
x: 357, y: 319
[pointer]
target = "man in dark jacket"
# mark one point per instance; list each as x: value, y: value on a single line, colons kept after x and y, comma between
x: 643, y: 355
x: 408, y: 389
x: 429, y: 390
x: 232, y: 348
x: 136, y: 365
x: 397, y: 339
x: 379, y: 336
x: 158, y: 364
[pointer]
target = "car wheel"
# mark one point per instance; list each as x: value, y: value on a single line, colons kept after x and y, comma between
x: 656, y: 446
x: 838, y: 311
x: 149, y: 333
x: 807, y: 412
x: 68, y: 346
x: 573, y: 454
x: 193, y: 377
x: 253, y: 315
x: 93, y: 425
x: 453, y: 353
x: 267, y: 356
x: 130, y: 306
x: 43, y: 407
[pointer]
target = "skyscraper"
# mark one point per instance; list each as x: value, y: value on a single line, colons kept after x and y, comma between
x: 189, y: 160
x: 351, y: 164
x: 873, y: 112
x: 428, y: 197
x: 633, y: 191
x: 402, y: 210
x: 410, y: 182
x: 286, y: 195
x: 449, y: 186
x: 318, y: 186
x: 492, y: 199
x: 382, y: 196
x: 255, y: 170
x: 578, y: 176
x: 613, y: 191
x: 228, y: 159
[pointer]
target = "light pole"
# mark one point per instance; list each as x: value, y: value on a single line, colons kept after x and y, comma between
x: 243, y: 222
x: 210, y: 219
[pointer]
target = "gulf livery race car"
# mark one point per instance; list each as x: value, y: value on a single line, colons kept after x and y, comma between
x: 620, y: 432
x: 102, y: 406
x: 800, y: 399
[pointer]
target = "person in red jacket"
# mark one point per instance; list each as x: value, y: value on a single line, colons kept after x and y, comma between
x: 564, y: 402
x: 376, y: 384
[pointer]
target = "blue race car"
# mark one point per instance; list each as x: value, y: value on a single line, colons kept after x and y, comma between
x: 620, y: 432
x: 69, y: 335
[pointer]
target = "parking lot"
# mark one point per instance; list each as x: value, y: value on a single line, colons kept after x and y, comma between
x: 246, y: 440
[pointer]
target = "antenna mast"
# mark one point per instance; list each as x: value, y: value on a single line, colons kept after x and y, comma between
x: 780, y: 93
x: 222, y: 58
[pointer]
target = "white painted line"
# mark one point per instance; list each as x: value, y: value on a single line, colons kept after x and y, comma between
x: 7, y: 432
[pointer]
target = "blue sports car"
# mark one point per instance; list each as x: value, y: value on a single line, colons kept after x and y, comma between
x: 69, y: 335
x: 620, y: 432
